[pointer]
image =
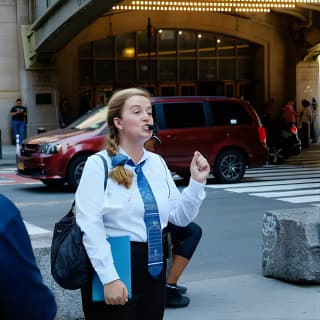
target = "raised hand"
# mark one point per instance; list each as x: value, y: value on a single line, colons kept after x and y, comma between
x: 199, y: 167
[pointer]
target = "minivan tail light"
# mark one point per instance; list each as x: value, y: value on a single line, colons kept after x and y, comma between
x: 262, y: 135
x: 294, y: 129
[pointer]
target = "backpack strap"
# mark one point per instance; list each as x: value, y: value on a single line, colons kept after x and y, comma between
x: 105, y: 163
x: 105, y: 169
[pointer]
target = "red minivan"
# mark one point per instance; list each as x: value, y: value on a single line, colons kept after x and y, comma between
x: 227, y: 131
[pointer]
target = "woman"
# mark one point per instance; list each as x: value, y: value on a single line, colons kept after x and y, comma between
x: 121, y: 209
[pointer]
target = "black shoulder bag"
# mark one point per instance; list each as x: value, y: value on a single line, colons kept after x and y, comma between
x: 70, y: 265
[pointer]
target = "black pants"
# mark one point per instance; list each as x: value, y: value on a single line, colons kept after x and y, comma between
x: 148, y: 294
x: 184, y: 239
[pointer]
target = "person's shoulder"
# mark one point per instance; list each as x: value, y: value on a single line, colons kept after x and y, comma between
x: 96, y: 157
x: 8, y: 211
x: 151, y: 155
x: 154, y: 158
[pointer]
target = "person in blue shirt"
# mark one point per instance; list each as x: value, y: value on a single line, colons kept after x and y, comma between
x: 19, y: 118
x: 23, y: 295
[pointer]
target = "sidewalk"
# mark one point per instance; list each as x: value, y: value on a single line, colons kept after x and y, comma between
x: 249, y: 296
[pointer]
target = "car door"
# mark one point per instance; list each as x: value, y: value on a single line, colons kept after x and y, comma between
x: 182, y: 129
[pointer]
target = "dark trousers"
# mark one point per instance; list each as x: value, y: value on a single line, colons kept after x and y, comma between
x: 148, y: 294
x: 18, y: 127
x: 184, y: 239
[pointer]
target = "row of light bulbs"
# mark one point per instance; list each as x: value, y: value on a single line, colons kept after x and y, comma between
x: 220, y: 7
x: 213, y: 6
x: 209, y: 3
x: 221, y: 4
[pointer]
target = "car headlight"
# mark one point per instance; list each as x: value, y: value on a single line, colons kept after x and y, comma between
x: 49, y: 148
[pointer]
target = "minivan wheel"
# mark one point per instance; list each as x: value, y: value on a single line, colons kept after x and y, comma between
x: 75, y: 171
x: 276, y: 155
x: 229, y: 166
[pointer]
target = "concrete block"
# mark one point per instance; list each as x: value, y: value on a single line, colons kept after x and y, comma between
x: 291, y: 245
x: 68, y: 301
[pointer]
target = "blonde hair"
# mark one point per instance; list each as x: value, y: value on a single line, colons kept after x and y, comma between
x: 115, y: 107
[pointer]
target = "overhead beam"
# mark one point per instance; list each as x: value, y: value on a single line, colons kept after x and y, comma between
x: 64, y: 20
x: 298, y: 13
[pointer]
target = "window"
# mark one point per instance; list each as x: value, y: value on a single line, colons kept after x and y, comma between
x: 207, y: 45
x: 104, y: 48
x: 125, y: 46
x: 86, y: 72
x: 226, y: 113
x: 43, y: 98
x: 187, y: 43
x: 184, y: 115
x: 208, y: 70
x: 167, y: 70
x: 167, y: 44
x: 187, y: 70
x: 104, y: 71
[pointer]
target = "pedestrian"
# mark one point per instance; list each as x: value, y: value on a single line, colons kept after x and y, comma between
x: 306, y: 123
x: 184, y: 243
x: 19, y: 119
x: 306, y: 114
x: 315, y: 124
x: 140, y: 193
x: 288, y: 114
x: 64, y: 111
x: 22, y: 292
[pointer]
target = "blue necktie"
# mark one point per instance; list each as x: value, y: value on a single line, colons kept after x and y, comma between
x: 152, y: 221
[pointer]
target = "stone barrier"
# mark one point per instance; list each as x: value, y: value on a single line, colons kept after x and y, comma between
x: 291, y: 245
x: 68, y: 301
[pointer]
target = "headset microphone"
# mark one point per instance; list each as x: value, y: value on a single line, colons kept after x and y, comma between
x: 152, y: 127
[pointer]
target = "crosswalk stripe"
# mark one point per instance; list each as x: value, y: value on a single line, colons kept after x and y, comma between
x: 286, y: 193
x: 264, y: 188
x: 281, y: 173
x: 33, y: 229
x: 260, y: 183
x: 276, y: 169
x: 303, y: 199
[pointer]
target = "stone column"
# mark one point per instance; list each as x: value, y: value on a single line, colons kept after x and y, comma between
x: 9, y: 66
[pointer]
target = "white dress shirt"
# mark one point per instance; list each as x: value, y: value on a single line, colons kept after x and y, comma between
x: 119, y: 211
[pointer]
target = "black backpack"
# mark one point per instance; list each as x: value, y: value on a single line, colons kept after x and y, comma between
x: 70, y: 264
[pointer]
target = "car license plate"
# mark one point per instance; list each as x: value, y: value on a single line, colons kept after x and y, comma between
x: 20, y: 165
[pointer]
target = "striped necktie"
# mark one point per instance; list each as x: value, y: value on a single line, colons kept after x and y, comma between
x: 152, y: 221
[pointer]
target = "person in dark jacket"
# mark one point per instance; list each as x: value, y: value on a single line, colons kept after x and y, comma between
x: 23, y: 295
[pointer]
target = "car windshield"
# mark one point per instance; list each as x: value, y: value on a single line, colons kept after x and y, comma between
x: 91, y: 120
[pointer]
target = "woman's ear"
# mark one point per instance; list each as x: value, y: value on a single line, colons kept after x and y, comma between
x: 117, y: 123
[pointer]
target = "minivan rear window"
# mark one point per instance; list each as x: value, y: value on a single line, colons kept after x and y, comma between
x: 184, y: 115
x: 225, y: 113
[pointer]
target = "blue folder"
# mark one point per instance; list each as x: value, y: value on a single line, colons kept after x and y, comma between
x: 121, y: 253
